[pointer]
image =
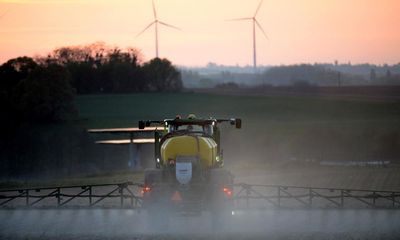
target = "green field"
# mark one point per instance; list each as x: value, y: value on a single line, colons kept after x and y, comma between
x: 125, y: 110
x: 274, y: 127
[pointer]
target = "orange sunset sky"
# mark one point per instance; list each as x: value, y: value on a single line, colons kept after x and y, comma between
x: 299, y: 31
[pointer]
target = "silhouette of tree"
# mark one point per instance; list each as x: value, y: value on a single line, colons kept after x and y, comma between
x: 11, y: 74
x: 100, y: 68
x: 15, y: 70
x: 162, y: 76
x: 46, y: 95
x: 124, y: 72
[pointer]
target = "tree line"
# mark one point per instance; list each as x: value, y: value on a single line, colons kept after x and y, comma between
x: 42, y: 89
x: 328, y: 75
x: 98, y: 68
x: 294, y: 75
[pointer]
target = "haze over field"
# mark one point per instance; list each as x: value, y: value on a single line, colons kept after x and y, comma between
x: 299, y: 31
x: 121, y: 224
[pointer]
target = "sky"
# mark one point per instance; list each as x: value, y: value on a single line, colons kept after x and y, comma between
x: 299, y: 31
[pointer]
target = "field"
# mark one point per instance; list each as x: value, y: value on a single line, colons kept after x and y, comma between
x: 125, y: 110
x: 284, y: 138
x: 275, y: 128
x: 84, y: 179
x: 119, y: 224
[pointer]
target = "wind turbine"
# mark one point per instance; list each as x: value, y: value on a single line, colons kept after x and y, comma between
x: 155, y: 23
x: 255, y: 22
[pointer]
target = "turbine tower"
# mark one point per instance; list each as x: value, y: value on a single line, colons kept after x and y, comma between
x: 155, y: 23
x: 255, y: 22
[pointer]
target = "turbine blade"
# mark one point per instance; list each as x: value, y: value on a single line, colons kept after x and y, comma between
x: 259, y: 26
x: 258, y: 8
x: 145, y: 28
x: 4, y: 13
x: 154, y: 10
x: 238, y: 19
x: 169, y: 25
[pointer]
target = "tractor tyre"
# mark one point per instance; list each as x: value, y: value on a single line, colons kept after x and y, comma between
x: 152, y: 176
x: 154, y: 201
x: 221, y: 202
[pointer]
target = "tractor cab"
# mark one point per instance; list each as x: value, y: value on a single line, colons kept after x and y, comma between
x: 192, y: 127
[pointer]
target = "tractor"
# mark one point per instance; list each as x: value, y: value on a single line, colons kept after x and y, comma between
x: 188, y: 177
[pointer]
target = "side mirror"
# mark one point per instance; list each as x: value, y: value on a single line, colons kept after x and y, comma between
x: 238, y: 123
x: 142, y: 125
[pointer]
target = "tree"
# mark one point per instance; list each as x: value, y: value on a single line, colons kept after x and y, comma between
x: 161, y: 75
x: 100, y: 68
x: 15, y: 70
x: 124, y: 72
x: 11, y: 74
x: 46, y: 95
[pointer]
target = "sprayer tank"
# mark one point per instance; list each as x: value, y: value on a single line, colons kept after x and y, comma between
x: 204, y: 148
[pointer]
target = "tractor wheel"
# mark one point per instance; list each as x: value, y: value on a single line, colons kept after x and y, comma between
x: 152, y: 175
x: 154, y: 201
x: 221, y: 201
